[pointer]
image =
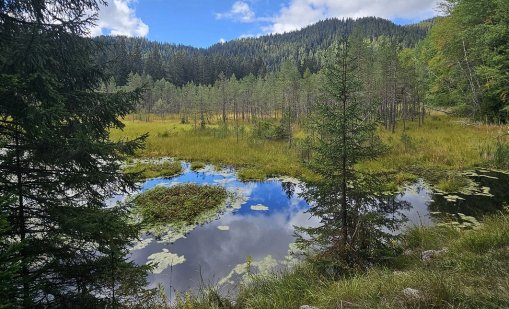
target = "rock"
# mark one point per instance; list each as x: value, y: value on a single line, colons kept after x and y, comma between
x: 408, y: 252
x: 429, y: 255
x: 412, y: 293
x: 307, y: 307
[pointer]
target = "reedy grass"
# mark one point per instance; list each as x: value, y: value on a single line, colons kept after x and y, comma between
x: 196, y: 165
x: 435, y: 151
x: 183, y: 142
x: 152, y: 170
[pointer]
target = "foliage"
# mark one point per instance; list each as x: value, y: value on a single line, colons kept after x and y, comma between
x: 179, y: 203
x: 58, y: 164
x: 256, y: 56
x: 466, y: 53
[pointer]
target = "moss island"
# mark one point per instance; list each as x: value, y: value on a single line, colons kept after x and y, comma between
x: 183, y: 203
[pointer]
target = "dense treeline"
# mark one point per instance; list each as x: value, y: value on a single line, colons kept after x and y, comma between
x: 393, y: 90
x: 466, y: 56
x: 182, y: 64
x: 461, y: 64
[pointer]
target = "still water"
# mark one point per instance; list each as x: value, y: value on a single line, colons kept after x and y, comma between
x: 260, y: 227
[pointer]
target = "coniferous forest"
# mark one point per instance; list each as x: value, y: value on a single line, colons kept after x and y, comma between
x: 354, y: 163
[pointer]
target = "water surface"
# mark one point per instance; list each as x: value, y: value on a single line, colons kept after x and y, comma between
x: 261, y: 227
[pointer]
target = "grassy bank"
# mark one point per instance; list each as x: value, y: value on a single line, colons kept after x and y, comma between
x: 435, y: 151
x: 472, y: 273
x: 152, y: 170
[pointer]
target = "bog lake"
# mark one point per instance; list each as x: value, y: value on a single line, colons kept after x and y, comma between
x: 257, y: 228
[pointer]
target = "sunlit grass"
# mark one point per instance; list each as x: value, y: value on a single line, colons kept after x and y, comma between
x: 211, y: 145
x: 443, y: 145
x: 153, y: 170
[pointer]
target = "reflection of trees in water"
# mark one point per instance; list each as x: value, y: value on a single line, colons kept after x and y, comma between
x: 477, y: 205
x: 372, y: 223
x: 289, y: 188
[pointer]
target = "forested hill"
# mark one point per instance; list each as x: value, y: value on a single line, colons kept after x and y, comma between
x: 182, y: 64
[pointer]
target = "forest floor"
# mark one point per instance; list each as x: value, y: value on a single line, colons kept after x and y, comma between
x: 435, y: 151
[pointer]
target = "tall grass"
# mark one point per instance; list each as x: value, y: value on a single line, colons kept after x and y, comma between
x: 441, y: 145
x: 211, y: 145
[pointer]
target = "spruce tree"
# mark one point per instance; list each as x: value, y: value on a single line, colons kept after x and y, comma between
x: 354, y: 228
x: 57, y: 163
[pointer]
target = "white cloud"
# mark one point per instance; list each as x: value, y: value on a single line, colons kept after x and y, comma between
x: 118, y: 18
x: 240, y: 11
x: 222, y: 41
x: 300, y: 13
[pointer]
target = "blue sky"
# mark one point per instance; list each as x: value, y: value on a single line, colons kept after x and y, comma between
x: 201, y: 23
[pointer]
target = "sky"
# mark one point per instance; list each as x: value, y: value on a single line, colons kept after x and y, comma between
x: 201, y: 23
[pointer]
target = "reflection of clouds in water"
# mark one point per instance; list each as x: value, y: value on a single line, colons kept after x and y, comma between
x: 259, y: 207
x: 211, y: 252
x: 302, y: 219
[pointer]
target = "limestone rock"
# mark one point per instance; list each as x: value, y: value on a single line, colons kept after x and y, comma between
x: 412, y: 293
x: 429, y: 255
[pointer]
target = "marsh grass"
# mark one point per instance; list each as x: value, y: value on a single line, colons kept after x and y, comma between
x: 179, y: 204
x: 183, y: 142
x: 152, y: 170
x: 196, y: 165
x: 434, y: 151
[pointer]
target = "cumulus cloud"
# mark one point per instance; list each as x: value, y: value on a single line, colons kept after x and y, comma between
x: 118, y: 18
x: 222, y: 41
x: 300, y: 13
x: 240, y: 11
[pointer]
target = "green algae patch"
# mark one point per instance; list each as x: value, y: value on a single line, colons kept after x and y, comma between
x: 179, y: 204
x: 145, y: 170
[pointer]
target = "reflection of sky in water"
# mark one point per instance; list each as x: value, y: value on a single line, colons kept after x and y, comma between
x: 211, y: 253
x: 419, y: 197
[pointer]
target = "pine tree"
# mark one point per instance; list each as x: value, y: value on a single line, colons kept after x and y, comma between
x: 352, y: 217
x: 58, y: 164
